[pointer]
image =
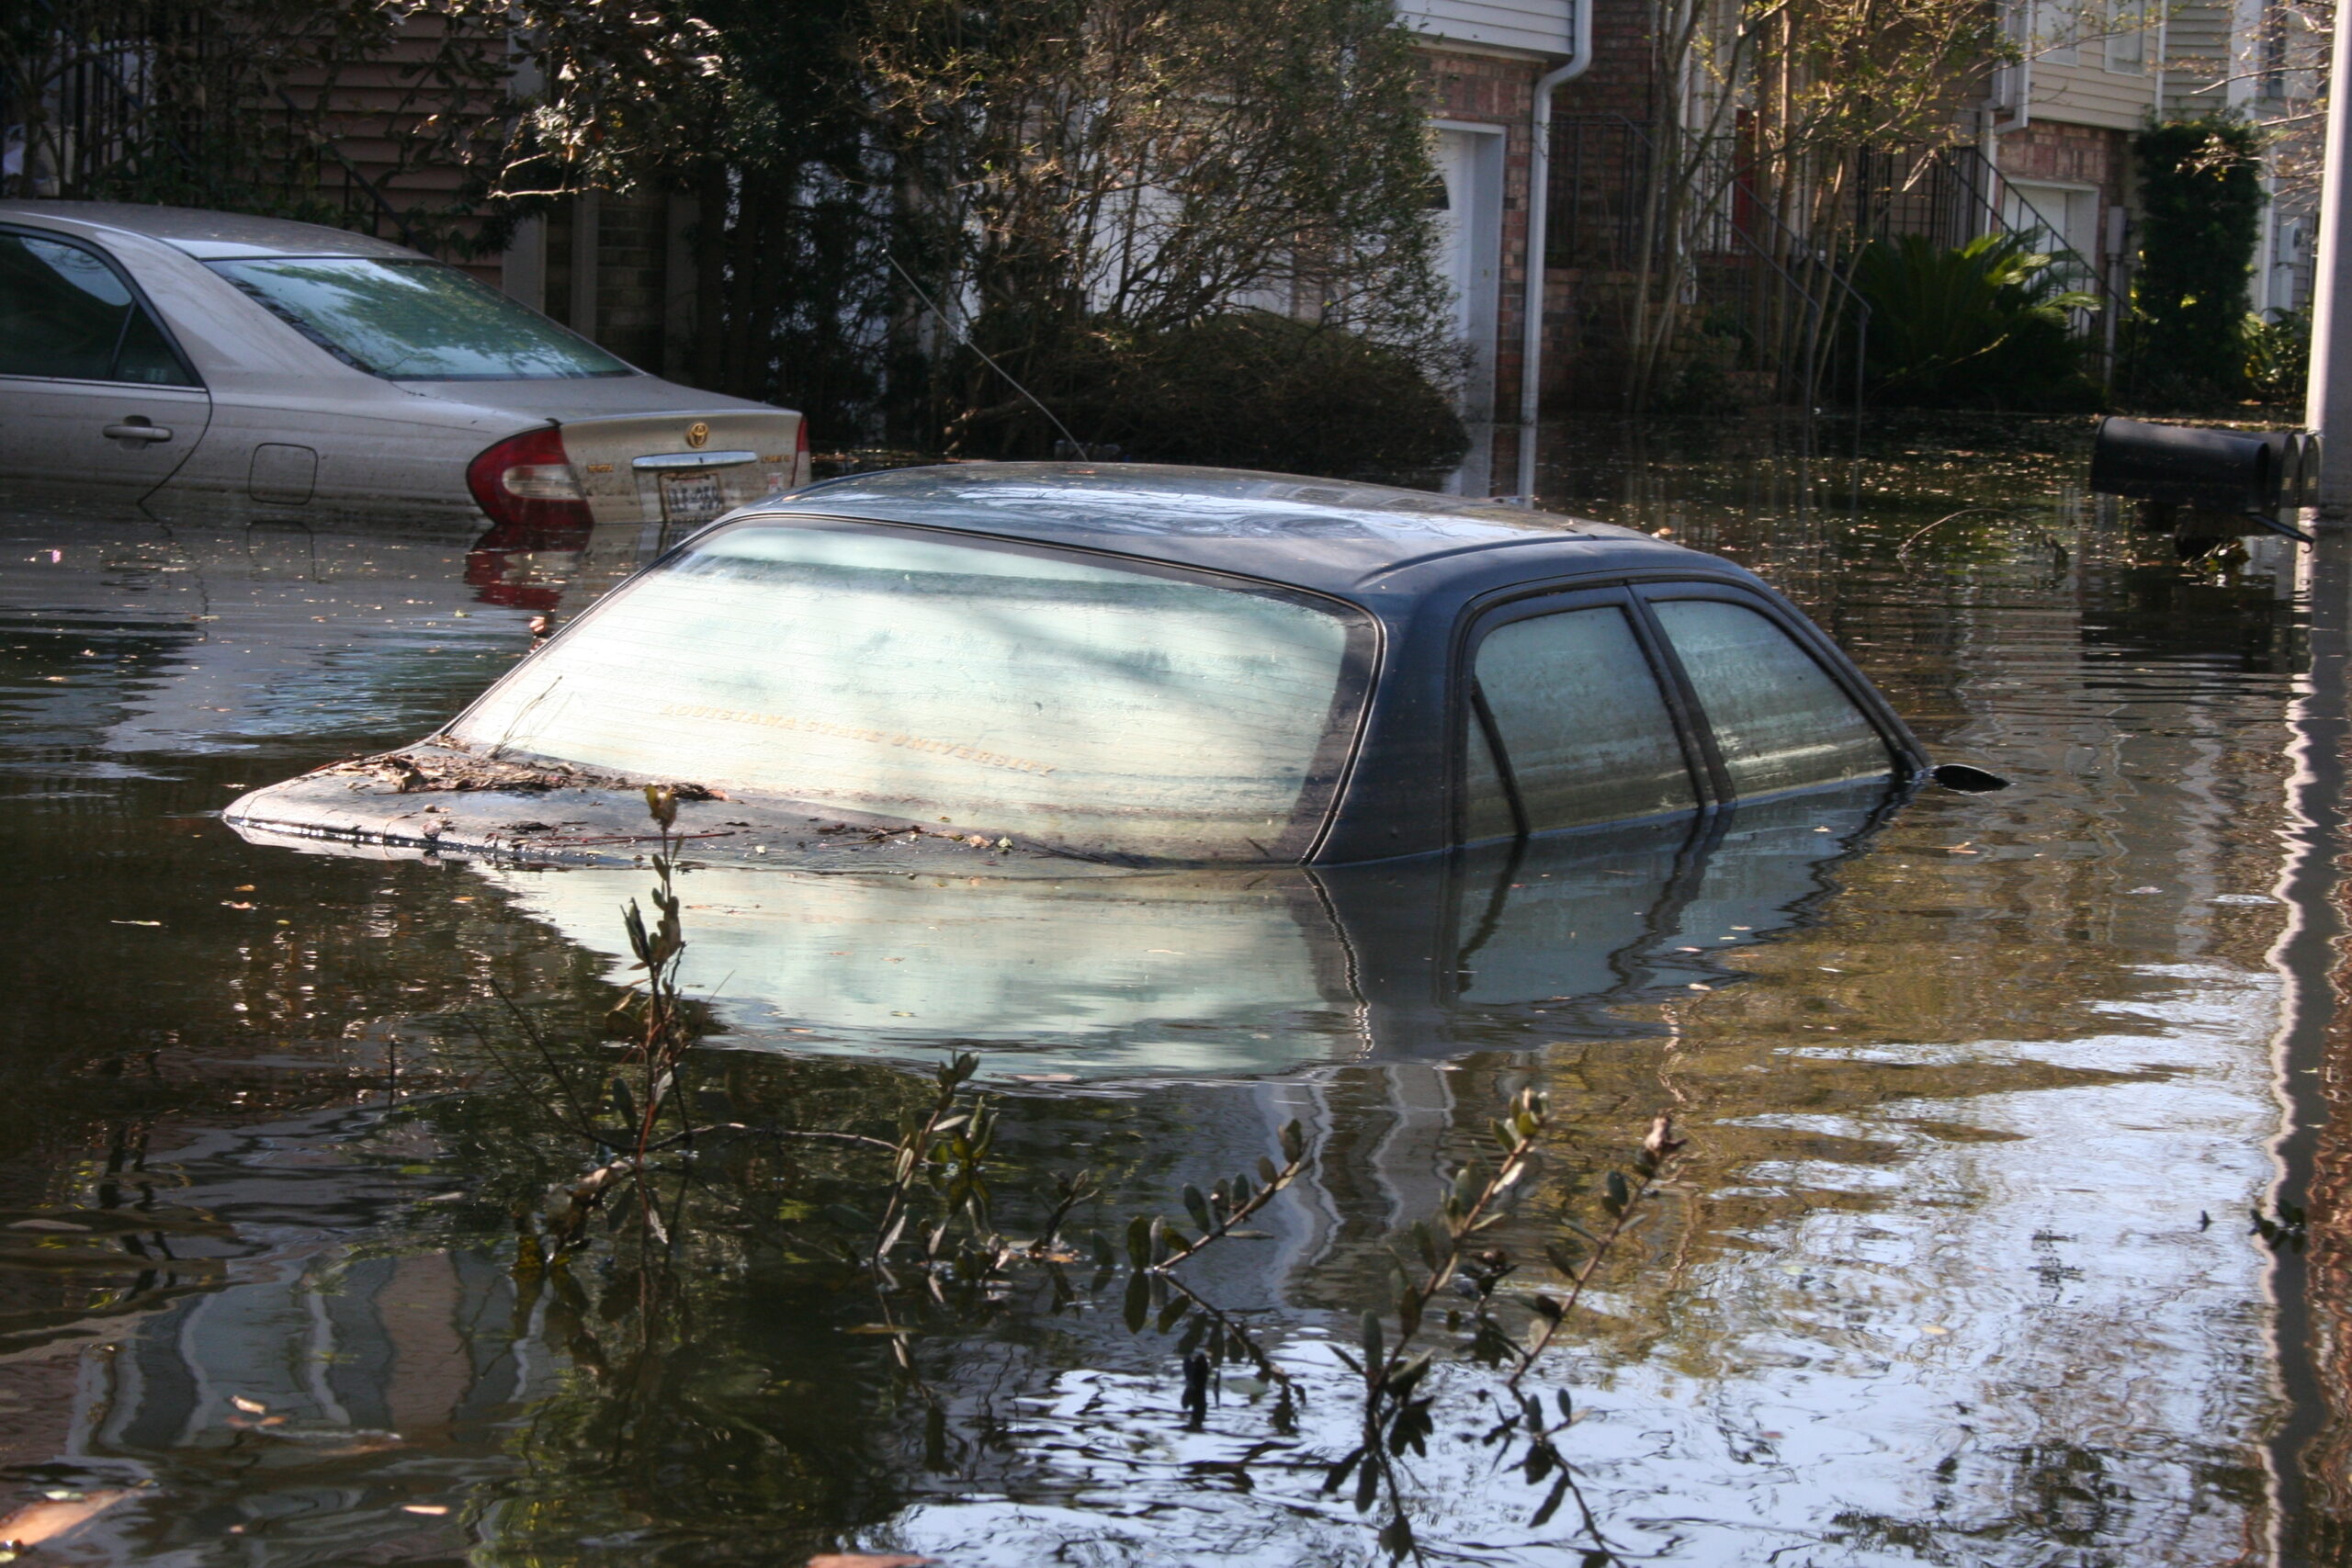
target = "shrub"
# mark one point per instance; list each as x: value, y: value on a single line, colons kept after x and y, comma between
x: 1984, y: 325
x: 2202, y: 194
x: 2279, y: 355
x: 1251, y: 389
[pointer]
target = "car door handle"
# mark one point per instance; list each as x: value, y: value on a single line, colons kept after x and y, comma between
x: 139, y: 432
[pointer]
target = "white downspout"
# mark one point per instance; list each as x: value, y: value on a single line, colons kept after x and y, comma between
x: 1539, y: 205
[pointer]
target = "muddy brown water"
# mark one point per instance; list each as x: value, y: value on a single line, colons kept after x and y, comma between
x: 1957, y: 1267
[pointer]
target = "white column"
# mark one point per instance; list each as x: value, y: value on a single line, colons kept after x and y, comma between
x: 2328, y: 404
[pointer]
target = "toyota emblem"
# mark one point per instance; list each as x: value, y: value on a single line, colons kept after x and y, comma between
x: 698, y: 432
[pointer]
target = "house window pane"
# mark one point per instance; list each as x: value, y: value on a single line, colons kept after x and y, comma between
x: 1780, y: 720
x: 1584, y: 726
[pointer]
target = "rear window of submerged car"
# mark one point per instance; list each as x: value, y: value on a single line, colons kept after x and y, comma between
x: 1062, y: 699
x: 416, y: 320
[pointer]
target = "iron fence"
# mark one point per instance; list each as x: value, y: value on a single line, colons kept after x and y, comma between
x: 1749, y: 274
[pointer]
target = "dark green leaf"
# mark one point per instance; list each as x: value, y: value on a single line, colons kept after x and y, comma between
x: 1138, y: 1302
x: 1197, y: 1206
x: 1617, y: 1193
x: 1139, y: 1242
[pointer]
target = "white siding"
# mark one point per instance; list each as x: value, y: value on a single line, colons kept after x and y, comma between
x: 1536, y: 27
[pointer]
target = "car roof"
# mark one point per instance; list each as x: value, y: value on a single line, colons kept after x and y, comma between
x: 1328, y: 534
x: 204, y: 234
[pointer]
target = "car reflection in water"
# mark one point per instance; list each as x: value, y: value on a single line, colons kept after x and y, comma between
x: 1090, y: 973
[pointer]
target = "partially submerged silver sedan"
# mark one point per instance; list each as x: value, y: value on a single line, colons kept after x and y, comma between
x: 208, y: 363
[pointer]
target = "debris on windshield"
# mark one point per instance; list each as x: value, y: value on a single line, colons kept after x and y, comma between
x: 421, y: 770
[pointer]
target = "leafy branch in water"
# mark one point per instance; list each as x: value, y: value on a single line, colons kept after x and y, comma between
x: 922, y: 1235
x: 1397, y: 1415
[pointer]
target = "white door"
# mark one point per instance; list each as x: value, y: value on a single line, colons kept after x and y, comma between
x: 2067, y: 214
x: 1469, y: 223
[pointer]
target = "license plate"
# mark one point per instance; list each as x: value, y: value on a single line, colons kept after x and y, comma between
x: 692, y: 498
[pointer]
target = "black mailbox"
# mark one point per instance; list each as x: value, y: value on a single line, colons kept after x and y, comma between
x: 2249, y: 474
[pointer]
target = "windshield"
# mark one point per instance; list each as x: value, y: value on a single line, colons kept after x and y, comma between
x: 1108, y: 709
x: 416, y: 320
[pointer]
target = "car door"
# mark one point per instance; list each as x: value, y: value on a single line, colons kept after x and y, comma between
x: 1774, y: 715
x: 1569, y: 721
x: 97, y: 402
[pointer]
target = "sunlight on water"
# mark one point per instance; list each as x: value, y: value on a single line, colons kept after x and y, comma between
x: 1979, y: 1090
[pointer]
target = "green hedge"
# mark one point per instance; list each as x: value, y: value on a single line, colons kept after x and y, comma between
x: 2201, y: 196
x: 1250, y: 389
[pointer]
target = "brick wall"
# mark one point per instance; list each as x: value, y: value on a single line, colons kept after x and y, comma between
x: 1483, y: 89
x: 2078, y: 154
x: 1587, y: 291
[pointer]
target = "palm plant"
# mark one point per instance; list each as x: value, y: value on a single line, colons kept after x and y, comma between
x: 1986, y: 323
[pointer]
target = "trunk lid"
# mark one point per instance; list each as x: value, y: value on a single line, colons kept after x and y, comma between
x: 684, y: 469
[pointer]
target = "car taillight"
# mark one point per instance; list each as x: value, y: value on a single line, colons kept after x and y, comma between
x: 800, y: 473
x: 527, y: 481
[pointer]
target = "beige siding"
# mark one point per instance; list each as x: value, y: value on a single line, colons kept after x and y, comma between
x: 2091, y: 94
x: 1537, y: 27
x: 2199, y: 46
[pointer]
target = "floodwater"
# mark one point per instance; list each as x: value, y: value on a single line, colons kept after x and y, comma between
x: 1956, y: 1268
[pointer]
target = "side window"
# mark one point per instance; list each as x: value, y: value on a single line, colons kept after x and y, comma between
x: 1780, y: 720
x: 65, y: 314
x: 1584, y: 731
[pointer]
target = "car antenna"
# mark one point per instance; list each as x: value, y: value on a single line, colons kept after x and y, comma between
x: 961, y: 336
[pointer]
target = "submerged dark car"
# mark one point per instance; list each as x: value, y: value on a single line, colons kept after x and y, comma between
x: 1128, y: 665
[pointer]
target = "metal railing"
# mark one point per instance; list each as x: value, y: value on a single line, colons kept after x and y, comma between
x: 1755, y: 275
x: 153, y: 100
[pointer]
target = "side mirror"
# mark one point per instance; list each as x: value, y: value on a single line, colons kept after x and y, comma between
x: 1965, y: 779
